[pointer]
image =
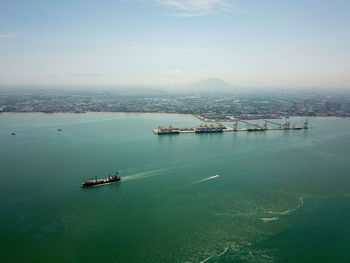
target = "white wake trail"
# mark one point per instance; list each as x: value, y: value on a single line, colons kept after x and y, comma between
x: 205, y: 179
x: 144, y: 174
x: 218, y: 255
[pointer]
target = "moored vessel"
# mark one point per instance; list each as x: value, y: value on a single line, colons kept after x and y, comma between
x: 209, y: 129
x: 170, y: 130
x: 255, y: 129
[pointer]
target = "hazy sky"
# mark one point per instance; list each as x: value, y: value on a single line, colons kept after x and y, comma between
x: 128, y: 42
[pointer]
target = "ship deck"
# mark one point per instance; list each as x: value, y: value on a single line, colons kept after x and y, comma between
x: 230, y: 129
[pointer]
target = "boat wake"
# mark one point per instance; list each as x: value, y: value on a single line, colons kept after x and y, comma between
x: 96, y: 185
x: 289, y: 211
x: 205, y: 179
x: 144, y: 174
x: 269, y: 219
x: 218, y: 255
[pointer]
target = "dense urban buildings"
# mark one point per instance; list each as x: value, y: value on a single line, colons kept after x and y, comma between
x: 244, y: 105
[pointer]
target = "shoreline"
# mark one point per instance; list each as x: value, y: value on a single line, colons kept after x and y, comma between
x: 93, y: 112
x: 164, y: 113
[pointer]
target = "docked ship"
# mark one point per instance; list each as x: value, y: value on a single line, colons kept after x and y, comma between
x: 255, y: 129
x: 215, y: 130
x: 209, y: 129
x: 170, y: 130
x: 97, y: 181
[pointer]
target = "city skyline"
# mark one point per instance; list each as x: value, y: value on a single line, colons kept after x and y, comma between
x: 175, y: 42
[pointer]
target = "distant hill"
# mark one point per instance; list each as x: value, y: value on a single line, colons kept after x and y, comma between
x: 212, y: 85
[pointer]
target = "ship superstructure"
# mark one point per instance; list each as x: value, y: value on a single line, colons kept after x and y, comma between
x: 170, y: 130
x: 100, y: 181
x: 208, y: 129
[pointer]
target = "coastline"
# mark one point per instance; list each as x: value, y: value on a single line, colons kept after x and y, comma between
x: 166, y: 113
x: 93, y: 112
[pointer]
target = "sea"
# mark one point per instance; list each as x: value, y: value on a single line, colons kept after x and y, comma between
x: 274, y: 196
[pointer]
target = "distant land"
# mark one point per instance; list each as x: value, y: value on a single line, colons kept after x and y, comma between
x: 212, y: 85
x: 211, y: 98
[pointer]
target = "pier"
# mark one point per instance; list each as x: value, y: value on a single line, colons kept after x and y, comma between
x: 220, y: 128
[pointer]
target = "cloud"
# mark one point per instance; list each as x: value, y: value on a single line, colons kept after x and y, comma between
x: 189, y: 14
x: 191, y: 8
x: 173, y: 72
x: 8, y: 36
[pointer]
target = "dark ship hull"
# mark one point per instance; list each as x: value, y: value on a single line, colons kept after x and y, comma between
x: 168, y: 132
x: 111, y: 179
x: 209, y: 131
x: 255, y: 129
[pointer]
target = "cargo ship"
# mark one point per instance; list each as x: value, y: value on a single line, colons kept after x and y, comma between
x: 209, y: 129
x: 170, y: 130
x: 96, y: 181
x: 255, y: 129
x: 162, y: 132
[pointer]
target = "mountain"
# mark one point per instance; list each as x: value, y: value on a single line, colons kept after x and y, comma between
x: 204, y: 86
x: 211, y: 85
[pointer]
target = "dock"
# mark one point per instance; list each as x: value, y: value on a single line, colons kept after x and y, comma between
x: 221, y: 128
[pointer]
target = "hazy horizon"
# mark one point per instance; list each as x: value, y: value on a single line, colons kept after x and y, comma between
x: 170, y: 43
x: 199, y: 86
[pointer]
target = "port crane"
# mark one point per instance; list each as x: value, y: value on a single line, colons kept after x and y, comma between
x: 235, y: 126
x: 252, y: 124
x: 273, y: 122
x: 286, y: 126
x: 202, y: 128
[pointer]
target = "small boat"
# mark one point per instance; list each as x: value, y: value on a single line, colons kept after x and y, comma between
x: 97, y: 181
x: 13, y: 133
x: 59, y: 129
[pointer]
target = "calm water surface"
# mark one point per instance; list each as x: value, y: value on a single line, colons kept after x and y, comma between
x: 277, y: 196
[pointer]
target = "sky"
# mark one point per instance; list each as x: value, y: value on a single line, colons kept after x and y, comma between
x: 169, y: 42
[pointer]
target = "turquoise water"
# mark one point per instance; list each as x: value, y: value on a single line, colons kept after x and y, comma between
x: 277, y: 196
